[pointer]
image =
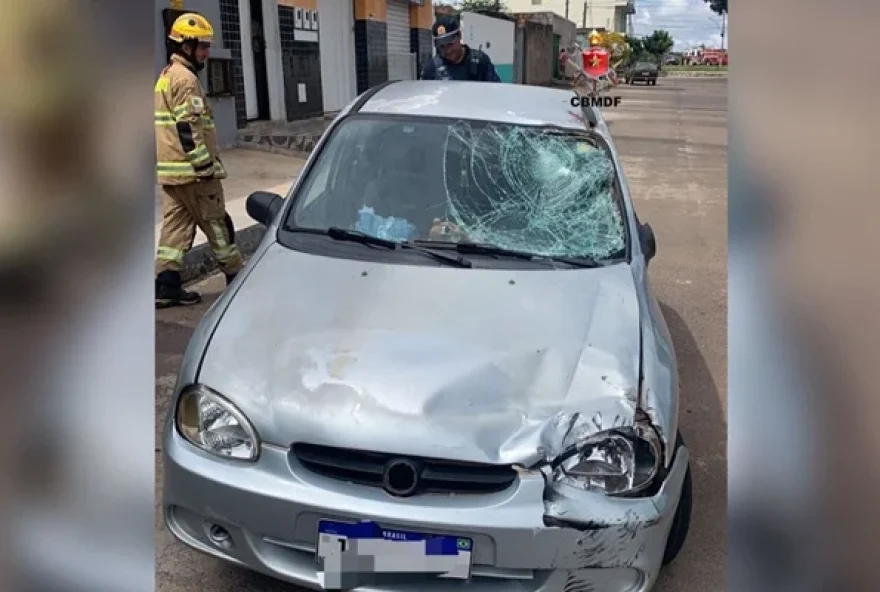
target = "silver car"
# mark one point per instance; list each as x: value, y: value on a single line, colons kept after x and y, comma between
x: 444, y: 367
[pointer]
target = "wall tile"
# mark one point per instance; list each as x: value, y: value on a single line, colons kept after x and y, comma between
x: 302, y: 65
x: 371, y: 53
x: 231, y: 30
x: 421, y: 44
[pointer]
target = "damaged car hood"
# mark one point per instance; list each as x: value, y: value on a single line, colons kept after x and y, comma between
x: 497, y: 366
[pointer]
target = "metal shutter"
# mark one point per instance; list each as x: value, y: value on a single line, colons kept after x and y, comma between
x: 401, y: 62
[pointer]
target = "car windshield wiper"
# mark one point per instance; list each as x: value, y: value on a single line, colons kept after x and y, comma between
x: 344, y: 234
x: 356, y: 236
x: 489, y: 249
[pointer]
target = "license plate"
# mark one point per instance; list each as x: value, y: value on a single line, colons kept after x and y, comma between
x: 646, y: 73
x: 350, y: 555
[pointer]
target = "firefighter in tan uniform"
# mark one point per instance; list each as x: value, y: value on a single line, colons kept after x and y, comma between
x: 188, y: 165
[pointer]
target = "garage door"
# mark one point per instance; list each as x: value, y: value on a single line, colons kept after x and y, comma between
x: 401, y: 62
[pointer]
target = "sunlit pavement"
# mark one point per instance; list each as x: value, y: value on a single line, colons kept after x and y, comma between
x: 673, y: 140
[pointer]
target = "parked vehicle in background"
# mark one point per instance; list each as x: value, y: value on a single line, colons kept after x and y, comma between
x: 646, y: 72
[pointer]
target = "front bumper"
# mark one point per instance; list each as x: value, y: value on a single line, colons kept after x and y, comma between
x: 271, y: 510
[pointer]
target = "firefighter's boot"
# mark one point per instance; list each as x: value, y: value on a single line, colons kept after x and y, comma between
x: 170, y: 292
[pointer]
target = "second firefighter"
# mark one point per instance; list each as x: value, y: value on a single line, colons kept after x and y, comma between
x: 188, y: 166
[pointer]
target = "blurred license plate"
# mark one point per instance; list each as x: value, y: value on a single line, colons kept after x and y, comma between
x: 357, y: 551
x: 646, y: 73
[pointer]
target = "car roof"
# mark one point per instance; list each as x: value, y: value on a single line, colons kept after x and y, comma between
x: 495, y: 102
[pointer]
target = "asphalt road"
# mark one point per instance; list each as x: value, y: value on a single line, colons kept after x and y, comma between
x: 673, y: 141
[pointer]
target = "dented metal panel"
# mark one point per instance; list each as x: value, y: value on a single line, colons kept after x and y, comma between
x: 501, y: 366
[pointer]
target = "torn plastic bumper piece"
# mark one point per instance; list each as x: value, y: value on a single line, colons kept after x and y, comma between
x: 613, y: 532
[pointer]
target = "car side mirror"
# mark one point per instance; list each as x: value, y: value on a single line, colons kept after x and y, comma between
x: 263, y: 206
x: 648, y: 241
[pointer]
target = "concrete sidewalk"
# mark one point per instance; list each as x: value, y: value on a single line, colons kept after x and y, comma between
x: 249, y: 171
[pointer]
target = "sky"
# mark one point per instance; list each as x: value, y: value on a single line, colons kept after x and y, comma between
x: 690, y: 22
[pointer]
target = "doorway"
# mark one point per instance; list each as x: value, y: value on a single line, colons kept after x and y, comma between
x: 556, y: 44
x: 261, y: 77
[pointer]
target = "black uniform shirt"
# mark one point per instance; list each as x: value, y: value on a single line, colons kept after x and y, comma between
x: 475, y: 65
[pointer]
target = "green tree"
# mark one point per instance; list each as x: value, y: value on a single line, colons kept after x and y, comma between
x: 482, y: 6
x: 658, y: 44
x: 717, y: 6
x: 636, y: 49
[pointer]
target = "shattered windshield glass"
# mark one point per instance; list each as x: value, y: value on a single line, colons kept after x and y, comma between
x: 527, y: 189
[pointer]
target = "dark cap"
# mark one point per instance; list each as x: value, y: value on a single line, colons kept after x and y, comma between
x: 445, y: 30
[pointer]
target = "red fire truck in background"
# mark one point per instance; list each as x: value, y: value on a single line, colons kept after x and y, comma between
x: 705, y: 57
x: 714, y: 57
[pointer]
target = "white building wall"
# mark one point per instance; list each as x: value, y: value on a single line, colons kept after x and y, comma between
x: 600, y: 13
x: 274, y: 63
x: 248, y: 69
x: 336, y: 36
x: 495, y: 37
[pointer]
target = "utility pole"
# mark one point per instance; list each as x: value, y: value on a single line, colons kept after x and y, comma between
x: 723, y: 24
x: 566, y: 9
x: 584, y: 19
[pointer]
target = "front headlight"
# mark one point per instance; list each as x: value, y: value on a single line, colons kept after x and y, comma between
x: 210, y: 422
x: 621, y: 461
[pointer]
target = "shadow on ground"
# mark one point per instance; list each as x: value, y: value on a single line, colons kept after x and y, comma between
x: 701, y: 420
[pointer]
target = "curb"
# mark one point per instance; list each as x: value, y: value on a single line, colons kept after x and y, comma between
x: 273, y: 149
x: 696, y: 75
x: 281, y: 142
x: 199, y: 262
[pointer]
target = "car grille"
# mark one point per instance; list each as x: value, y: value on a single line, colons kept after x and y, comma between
x: 437, y: 476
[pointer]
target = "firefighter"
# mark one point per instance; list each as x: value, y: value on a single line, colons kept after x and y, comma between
x: 454, y: 59
x: 188, y: 166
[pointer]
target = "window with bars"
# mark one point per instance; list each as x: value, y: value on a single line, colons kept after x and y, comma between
x: 221, y: 79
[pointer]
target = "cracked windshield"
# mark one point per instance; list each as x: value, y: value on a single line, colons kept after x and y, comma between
x: 519, y: 188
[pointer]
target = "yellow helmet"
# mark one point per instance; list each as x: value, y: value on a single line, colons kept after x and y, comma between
x: 595, y: 38
x: 191, y: 26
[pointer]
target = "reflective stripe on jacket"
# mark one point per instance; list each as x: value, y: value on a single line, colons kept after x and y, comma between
x: 186, y: 141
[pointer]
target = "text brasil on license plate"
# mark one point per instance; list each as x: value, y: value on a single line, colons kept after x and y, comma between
x: 356, y: 552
